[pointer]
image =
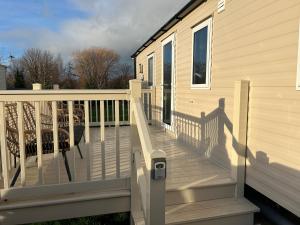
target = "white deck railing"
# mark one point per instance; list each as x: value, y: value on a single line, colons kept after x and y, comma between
x: 26, y: 135
x: 52, y: 98
x: 147, y: 184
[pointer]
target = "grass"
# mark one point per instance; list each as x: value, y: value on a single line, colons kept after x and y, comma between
x: 108, y: 113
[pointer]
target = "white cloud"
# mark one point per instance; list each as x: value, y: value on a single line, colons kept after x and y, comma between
x: 121, y: 25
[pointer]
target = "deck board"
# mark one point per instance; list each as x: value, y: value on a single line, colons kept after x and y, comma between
x: 186, y: 167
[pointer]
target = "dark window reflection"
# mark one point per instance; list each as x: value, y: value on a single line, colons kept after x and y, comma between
x: 167, y: 97
x: 150, y: 71
x: 200, y: 56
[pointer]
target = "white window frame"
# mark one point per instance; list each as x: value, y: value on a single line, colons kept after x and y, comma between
x: 171, y: 38
x: 298, y: 63
x: 152, y: 55
x: 207, y: 23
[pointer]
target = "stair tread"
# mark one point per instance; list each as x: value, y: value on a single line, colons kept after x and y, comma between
x: 204, y: 210
x: 208, y: 209
x: 199, y: 183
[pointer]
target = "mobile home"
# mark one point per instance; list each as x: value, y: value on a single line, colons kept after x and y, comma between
x: 211, y: 116
x: 203, y: 58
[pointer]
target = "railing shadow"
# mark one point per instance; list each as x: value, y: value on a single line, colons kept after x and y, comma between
x: 203, y: 134
x: 211, y: 135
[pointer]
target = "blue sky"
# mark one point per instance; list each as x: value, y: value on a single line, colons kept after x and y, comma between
x: 65, y: 26
x: 34, y: 15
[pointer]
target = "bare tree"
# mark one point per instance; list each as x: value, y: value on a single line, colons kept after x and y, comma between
x: 41, y: 67
x: 69, y: 80
x: 125, y: 69
x: 95, y: 66
x: 123, y: 75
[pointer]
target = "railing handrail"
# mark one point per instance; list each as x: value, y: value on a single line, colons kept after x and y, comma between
x: 148, y: 180
x: 64, y: 95
x: 65, y: 91
x: 147, y: 90
x: 144, y: 134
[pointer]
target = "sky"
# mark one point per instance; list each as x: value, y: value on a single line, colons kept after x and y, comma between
x: 65, y: 26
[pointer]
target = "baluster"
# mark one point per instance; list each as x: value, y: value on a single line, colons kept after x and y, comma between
x: 39, y: 141
x: 123, y: 111
x: 71, y: 133
x: 102, y: 137
x: 87, y: 138
x: 112, y: 111
x: 149, y: 108
x: 97, y: 114
x: 4, y: 156
x: 20, y: 112
x: 55, y: 140
x: 117, y: 128
x: 91, y: 110
x: 107, y: 111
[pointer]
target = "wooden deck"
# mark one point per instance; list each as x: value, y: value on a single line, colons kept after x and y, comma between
x: 186, y: 168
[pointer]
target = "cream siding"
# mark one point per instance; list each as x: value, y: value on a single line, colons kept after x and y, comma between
x: 251, y: 40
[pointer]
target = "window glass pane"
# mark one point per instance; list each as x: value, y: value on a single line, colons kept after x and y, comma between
x: 167, y: 87
x: 167, y: 63
x: 200, y: 56
x: 150, y: 71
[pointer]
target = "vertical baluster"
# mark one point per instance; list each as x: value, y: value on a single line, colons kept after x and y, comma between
x: 71, y: 133
x: 39, y: 141
x: 123, y: 111
x: 20, y: 111
x: 117, y: 126
x: 128, y: 112
x: 107, y: 111
x: 55, y: 140
x: 4, y: 155
x: 102, y: 137
x: 97, y: 114
x: 144, y: 104
x: 91, y: 110
x: 113, y: 111
x: 87, y: 138
x: 149, y: 107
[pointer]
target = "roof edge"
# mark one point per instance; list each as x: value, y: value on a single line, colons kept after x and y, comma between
x: 187, y: 9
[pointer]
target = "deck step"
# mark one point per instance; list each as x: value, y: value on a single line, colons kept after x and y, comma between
x: 227, y: 211
x: 64, y: 207
x: 223, y: 188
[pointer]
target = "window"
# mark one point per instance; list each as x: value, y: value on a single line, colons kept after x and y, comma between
x: 151, y: 70
x: 298, y: 63
x: 201, y: 55
x: 141, y: 68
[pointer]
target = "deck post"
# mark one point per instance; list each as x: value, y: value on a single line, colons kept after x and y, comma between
x: 156, y: 193
x: 4, y: 153
x: 135, y: 92
x: 240, y: 121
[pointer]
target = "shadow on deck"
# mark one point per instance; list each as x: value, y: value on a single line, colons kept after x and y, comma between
x: 182, y: 161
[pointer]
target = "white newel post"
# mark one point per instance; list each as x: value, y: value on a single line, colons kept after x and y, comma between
x: 240, y: 121
x: 156, y: 193
x: 135, y: 92
x: 36, y: 87
x: 55, y: 86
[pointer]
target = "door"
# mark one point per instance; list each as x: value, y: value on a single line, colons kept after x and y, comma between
x: 167, y: 81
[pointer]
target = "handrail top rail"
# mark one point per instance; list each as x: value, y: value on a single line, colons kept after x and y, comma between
x: 148, y: 151
x: 65, y: 91
x: 158, y: 154
x: 64, y: 95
